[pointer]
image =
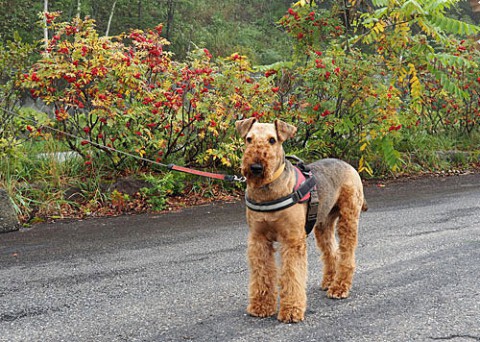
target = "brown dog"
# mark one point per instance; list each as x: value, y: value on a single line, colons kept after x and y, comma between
x: 270, y: 176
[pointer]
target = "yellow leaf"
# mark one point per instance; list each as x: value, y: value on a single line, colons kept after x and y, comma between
x: 226, y: 162
x: 360, y: 164
x: 141, y: 152
x: 363, y: 166
x: 378, y: 28
x: 415, y: 82
x: 301, y: 3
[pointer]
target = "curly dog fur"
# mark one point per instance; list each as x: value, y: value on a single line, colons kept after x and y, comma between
x: 270, y: 176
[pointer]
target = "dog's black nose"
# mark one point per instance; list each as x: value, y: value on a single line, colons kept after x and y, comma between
x: 256, y: 169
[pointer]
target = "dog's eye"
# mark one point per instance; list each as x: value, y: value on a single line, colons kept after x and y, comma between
x: 249, y: 140
x: 272, y: 141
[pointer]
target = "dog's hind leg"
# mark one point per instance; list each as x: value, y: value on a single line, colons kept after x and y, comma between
x: 293, y: 280
x: 263, y: 276
x: 326, y: 242
x: 347, y: 230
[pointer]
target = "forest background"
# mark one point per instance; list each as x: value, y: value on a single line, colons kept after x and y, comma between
x: 390, y: 86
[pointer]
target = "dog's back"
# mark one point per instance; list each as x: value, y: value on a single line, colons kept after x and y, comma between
x: 332, y: 176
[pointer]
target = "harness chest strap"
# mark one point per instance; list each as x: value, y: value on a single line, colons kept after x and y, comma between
x: 300, y: 194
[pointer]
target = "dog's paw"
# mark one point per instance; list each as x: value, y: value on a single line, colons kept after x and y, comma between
x: 326, y: 283
x: 291, y: 314
x: 261, y: 310
x: 337, y: 292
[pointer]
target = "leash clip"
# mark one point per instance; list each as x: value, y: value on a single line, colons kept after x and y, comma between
x: 235, y: 178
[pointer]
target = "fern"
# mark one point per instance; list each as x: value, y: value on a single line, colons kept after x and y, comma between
x: 448, y: 60
x: 390, y: 155
x: 430, y: 29
x: 412, y: 7
x: 422, y: 49
x: 438, y: 6
x: 453, y: 26
x: 428, y: 15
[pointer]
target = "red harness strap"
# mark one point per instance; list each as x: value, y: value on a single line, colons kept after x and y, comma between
x: 300, y: 179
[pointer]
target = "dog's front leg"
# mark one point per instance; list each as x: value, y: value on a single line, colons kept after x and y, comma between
x: 293, y: 280
x: 263, y: 276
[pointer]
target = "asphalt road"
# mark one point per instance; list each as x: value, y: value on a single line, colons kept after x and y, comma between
x: 183, y: 276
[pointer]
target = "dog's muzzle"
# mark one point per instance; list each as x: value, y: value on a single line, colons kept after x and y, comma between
x: 256, y: 169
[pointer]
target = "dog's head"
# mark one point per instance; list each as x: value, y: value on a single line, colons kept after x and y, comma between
x: 264, y: 153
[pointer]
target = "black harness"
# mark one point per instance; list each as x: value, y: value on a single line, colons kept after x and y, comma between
x: 301, y: 193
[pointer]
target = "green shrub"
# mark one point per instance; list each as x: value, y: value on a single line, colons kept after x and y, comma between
x: 161, y: 187
x: 15, y: 58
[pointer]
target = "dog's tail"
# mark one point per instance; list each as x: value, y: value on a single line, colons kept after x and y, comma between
x: 364, y: 205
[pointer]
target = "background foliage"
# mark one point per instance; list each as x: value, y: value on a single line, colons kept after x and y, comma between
x: 224, y: 27
x: 387, y: 86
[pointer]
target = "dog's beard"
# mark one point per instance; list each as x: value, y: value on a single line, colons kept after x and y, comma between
x: 257, y: 179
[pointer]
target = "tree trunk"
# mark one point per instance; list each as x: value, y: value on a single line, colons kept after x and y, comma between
x: 170, y: 15
x: 139, y: 13
x: 110, y: 18
x: 78, y: 8
x: 45, y: 30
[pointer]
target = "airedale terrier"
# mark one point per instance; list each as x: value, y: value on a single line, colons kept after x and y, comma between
x: 270, y: 176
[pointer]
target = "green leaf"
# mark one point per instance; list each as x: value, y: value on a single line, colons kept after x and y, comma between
x: 413, y: 7
x: 390, y: 155
x: 453, y: 26
x: 446, y: 82
x: 380, y: 3
x: 449, y: 60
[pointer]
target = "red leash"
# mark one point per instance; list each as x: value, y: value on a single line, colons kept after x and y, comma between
x: 228, y: 178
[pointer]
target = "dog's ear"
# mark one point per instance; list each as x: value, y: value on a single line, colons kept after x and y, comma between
x: 284, y: 130
x: 243, y: 126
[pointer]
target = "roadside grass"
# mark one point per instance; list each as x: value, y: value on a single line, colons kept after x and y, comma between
x: 45, y: 184
x: 437, y: 152
x: 36, y: 180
